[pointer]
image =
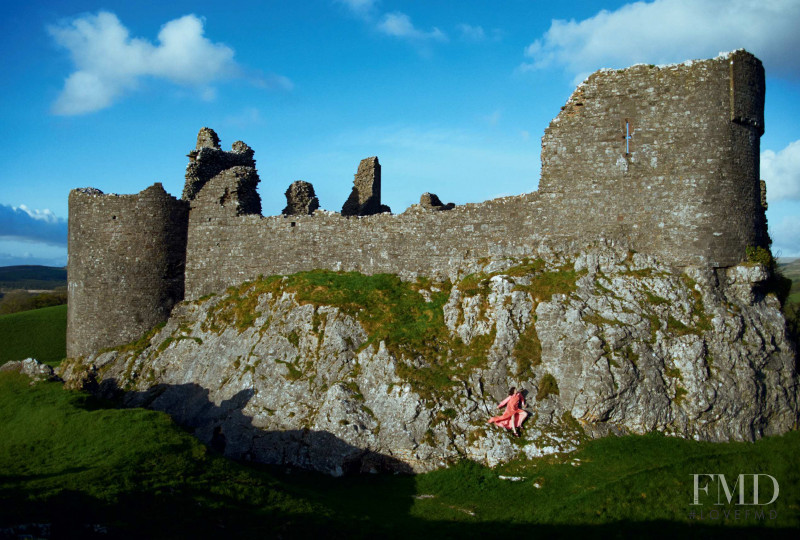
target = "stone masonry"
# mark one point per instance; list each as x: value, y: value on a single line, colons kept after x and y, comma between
x: 127, y: 255
x: 661, y: 160
x: 300, y: 199
x: 365, y: 199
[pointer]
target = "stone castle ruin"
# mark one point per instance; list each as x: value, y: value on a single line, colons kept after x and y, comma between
x: 662, y: 160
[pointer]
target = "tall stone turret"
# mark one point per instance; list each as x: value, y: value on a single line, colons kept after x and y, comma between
x: 662, y: 158
x: 126, y: 265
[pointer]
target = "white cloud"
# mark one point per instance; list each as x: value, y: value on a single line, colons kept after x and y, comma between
x: 781, y: 172
x: 110, y: 63
x: 272, y: 82
x: 45, y: 215
x: 666, y: 31
x: 23, y: 224
x: 472, y: 33
x: 786, y: 237
x: 399, y: 25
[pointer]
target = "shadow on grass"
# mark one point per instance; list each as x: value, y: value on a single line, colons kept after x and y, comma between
x: 73, y: 514
x: 252, y: 500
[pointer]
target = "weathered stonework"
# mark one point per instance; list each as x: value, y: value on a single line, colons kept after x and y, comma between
x: 300, y: 199
x: 666, y: 157
x: 429, y: 201
x: 207, y: 160
x: 126, y: 265
x: 365, y: 199
x: 661, y: 160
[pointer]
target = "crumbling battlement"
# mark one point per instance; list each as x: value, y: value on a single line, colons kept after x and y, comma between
x: 662, y: 160
x: 208, y: 160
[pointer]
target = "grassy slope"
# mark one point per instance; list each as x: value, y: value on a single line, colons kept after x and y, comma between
x: 39, y: 333
x: 69, y: 459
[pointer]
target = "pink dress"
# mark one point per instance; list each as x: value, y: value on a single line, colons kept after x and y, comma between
x: 514, y: 415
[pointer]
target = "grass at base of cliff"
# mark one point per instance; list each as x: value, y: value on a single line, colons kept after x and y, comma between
x: 71, y: 460
x: 39, y: 333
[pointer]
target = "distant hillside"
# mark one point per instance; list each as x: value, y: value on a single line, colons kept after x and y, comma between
x: 790, y: 267
x: 32, y: 277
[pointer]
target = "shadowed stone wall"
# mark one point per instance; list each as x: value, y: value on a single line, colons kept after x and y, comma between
x: 126, y: 265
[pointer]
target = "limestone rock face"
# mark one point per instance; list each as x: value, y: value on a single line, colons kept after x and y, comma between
x: 300, y: 199
x: 607, y: 343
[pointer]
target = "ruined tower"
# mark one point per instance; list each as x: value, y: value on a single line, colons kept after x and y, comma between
x: 665, y: 159
x: 221, y: 187
x: 126, y: 265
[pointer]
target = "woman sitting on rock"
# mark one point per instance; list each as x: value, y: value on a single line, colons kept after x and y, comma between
x: 514, y: 416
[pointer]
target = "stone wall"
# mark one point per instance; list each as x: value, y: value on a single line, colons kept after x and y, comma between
x: 662, y: 160
x: 126, y: 265
x: 667, y: 157
x: 226, y: 248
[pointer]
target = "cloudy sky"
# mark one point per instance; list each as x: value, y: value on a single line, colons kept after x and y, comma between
x: 453, y: 97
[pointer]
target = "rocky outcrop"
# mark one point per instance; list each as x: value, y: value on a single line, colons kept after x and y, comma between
x: 403, y: 376
x: 30, y: 367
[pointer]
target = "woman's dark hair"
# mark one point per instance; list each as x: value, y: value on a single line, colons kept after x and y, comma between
x: 512, y: 390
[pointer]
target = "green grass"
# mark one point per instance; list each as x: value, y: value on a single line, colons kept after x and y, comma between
x: 39, y: 333
x: 69, y: 459
x: 618, y: 479
x: 65, y: 453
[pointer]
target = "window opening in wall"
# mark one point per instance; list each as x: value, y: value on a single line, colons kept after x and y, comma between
x: 628, y: 137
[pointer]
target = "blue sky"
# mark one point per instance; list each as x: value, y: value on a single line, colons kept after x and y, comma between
x: 452, y: 96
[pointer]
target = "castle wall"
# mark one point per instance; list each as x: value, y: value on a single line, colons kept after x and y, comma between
x: 225, y: 248
x: 666, y: 157
x: 663, y: 160
x: 126, y: 265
